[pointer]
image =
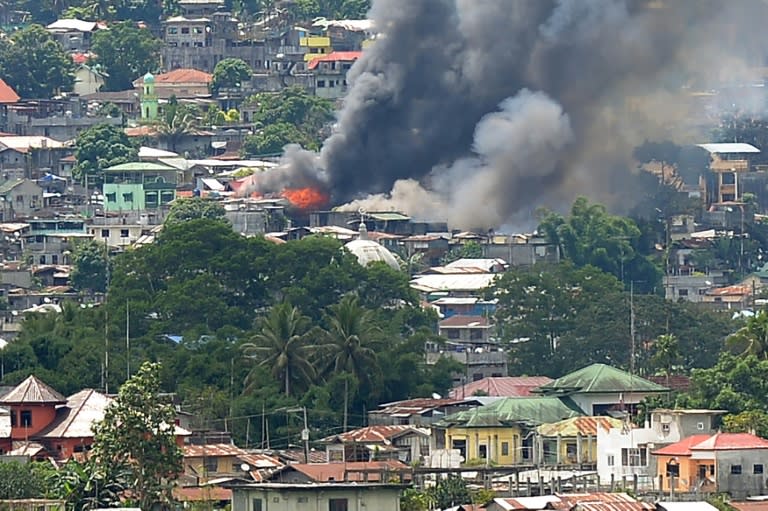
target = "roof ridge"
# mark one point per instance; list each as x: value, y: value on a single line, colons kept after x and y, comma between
x: 74, y: 412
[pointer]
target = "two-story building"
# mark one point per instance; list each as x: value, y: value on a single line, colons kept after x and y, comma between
x: 52, y: 240
x: 728, y: 162
x: 331, y: 73
x: 73, y: 35
x: 20, y: 198
x: 29, y: 156
x: 181, y: 83
x: 138, y: 186
x: 326, y: 496
x: 399, y: 442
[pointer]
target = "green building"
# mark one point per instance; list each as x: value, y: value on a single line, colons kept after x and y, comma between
x: 138, y: 186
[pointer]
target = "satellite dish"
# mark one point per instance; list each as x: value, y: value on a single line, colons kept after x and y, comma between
x: 245, y: 467
x: 435, y: 395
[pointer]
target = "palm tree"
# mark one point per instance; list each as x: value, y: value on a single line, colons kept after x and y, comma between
x: 752, y: 338
x: 179, y: 121
x: 350, y: 334
x: 666, y: 354
x: 282, y: 346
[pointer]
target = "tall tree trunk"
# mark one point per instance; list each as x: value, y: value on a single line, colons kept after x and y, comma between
x: 287, y: 382
x: 346, y: 402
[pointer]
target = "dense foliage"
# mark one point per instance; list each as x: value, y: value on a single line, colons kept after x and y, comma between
x: 34, y: 64
x: 100, y: 147
x: 291, y: 116
x: 230, y: 73
x: 126, y: 52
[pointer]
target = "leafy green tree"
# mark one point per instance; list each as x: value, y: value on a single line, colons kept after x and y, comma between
x: 350, y: 337
x: 450, y: 492
x: 230, y: 73
x: 331, y: 9
x: 289, y: 116
x: 470, y: 250
x: 273, y: 138
x: 752, y: 338
x: 194, y: 208
x: 138, y: 431
x: 591, y: 236
x: 126, y: 52
x: 22, y: 480
x: 750, y: 421
x: 100, y: 147
x: 34, y: 64
x: 178, y: 121
x: 282, y: 345
x: 89, y: 266
x: 734, y: 383
x: 666, y: 354
x: 415, y: 500
x: 84, y: 485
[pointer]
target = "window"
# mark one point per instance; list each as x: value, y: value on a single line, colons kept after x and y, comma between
x: 167, y: 197
x: 123, y: 233
x: 128, y: 197
x: 173, y: 30
x: 682, y: 292
x: 321, y: 84
x: 611, y: 460
x: 105, y: 233
x: 185, y: 30
x: 211, y: 464
x: 475, y: 334
x: 256, y: 505
x: 757, y: 468
x: 728, y: 178
x: 736, y: 470
x: 197, y: 30
x: 700, y: 426
x: 505, y: 448
x: 303, y: 500
x: 665, y: 428
x: 13, y: 418
x: 477, y: 376
x: 26, y: 419
x: 55, y: 259
x: 673, y: 470
x: 482, y: 452
x: 19, y: 199
x: 634, y: 457
x: 337, y: 505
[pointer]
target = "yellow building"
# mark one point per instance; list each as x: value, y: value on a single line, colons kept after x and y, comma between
x: 316, y: 46
x: 572, y: 441
x: 498, y: 433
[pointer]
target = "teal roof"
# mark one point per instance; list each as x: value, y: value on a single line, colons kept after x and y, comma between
x: 149, y: 78
x: 140, y: 166
x: 599, y: 378
x: 528, y: 411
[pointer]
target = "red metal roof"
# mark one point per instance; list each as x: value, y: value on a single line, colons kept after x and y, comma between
x: 336, y: 56
x: 601, y: 501
x: 7, y: 94
x: 179, y: 76
x: 731, y: 441
x: 681, y: 448
x: 750, y: 506
x: 501, y: 386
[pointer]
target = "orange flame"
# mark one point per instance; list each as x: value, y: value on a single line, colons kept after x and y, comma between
x: 306, y: 198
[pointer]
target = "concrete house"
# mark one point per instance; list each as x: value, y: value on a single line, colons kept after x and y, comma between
x: 732, y: 463
x: 138, y: 186
x: 20, y: 198
x: 73, y: 35
x: 625, y: 450
x: 182, y: 83
x: 599, y: 389
x: 331, y: 73
x: 397, y: 442
x: 204, y: 462
x: 572, y: 441
x: 329, y: 496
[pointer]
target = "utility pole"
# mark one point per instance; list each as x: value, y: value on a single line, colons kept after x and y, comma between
x: 127, y: 340
x: 305, y: 436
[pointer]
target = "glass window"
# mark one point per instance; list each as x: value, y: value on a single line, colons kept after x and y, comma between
x: 256, y: 505
x: 123, y: 233
x: 338, y: 505
x: 211, y: 464
x: 736, y: 469
x: 105, y: 233
x: 505, y: 448
x: 757, y: 468
x: 26, y: 419
x: 611, y: 460
x: 634, y: 457
x: 673, y: 470
x: 128, y: 197
x: 185, y: 30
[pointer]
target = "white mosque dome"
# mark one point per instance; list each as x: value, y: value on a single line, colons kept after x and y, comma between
x: 368, y: 251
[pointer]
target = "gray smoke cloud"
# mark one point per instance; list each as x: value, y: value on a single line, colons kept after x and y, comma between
x: 481, y: 111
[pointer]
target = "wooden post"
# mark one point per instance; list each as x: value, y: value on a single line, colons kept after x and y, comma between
x: 597, y: 479
x: 634, y: 484
x: 613, y: 482
x: 528, y: 485
x: 559, y: 484
x: 517, y: 483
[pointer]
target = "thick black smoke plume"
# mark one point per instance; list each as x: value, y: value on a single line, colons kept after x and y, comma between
x: 481, y: 110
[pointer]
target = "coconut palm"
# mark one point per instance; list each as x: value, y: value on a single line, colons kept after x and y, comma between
x: 752, y: 338
x: 350, y: 335
x: 282, y: 346
x: 178, y: 121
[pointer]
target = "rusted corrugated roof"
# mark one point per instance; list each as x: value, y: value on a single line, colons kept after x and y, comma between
x: 374, y: 434
x: 750, y: 506
x: 601, y: 501
x: 78, y: 416
x: 202, y: 493
x: 579, y: 426
x: 501, y: 386
x: 33, y: 391
x: 371, y: 471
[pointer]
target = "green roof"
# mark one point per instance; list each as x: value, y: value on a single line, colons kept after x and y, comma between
x: 9, y: 185
x: 529, y: 411
x: 599, y: 378
x: 140, y: 166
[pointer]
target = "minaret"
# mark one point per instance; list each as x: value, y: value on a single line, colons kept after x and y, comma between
x: 363, y: 231
x: 149, y: 104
